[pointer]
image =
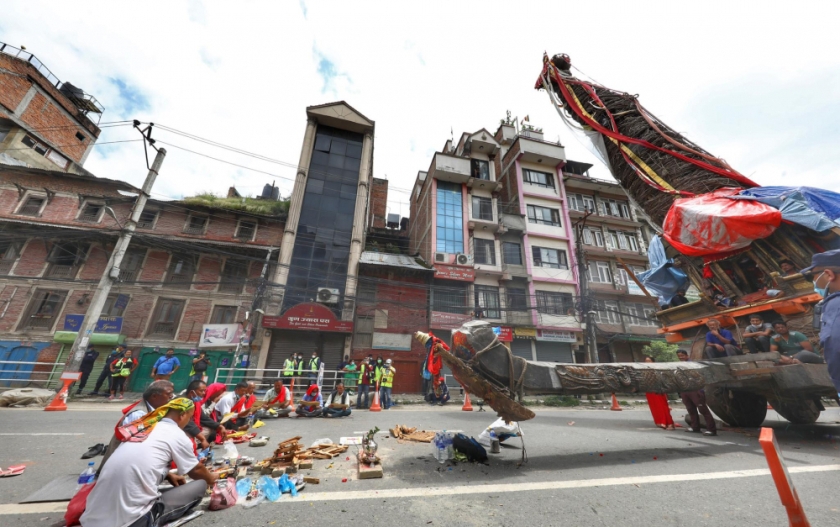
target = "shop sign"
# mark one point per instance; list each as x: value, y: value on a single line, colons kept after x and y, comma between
x: 309, y: 316
x: 525, y: 333
x: 454, y: 272
x: 104, y: 325
x: 442, y: 320
x: 556, y: 336
x: 503, y: 333
x: 633, y: 288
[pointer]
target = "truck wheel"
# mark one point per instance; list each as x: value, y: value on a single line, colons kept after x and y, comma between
x: 743, y: 409
x: 804, y: 412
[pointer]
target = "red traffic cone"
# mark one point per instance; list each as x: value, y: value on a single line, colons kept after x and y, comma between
x: 467, y: 405
x: 375, y: 407
x: 59, y: 402
x: 615, y: 407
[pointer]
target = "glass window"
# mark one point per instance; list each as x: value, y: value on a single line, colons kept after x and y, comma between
x: 553, y: 303
x: 487, y: 302
x: 480, y: 169
x: 366, y: 294
x: 575, y: 202
x: 482, y: 208
x: 543, y: 215
x: 517, y: 298
x: 363, y: 337
x: 449, y: 297
x: 589, y: 203
x: 147, y: 219
x: 131, y: 264
x: 165, y: 318
x: 541, y: 179
x: 43, y: 310
x: 233, y: 277
x: 599, y: 272
x: 181, y: 271
x: 545, y: 257
x: 512, y: 253
x: 485, y: 252
x: 450, y: 218
x: 608, y: 312
x: 224, y: 315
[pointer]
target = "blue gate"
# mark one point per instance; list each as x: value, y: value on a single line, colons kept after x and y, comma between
x: 12, y: 353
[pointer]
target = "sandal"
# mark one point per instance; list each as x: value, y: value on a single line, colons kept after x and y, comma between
x: 16, y: 470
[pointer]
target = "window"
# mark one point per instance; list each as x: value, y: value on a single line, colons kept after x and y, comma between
x: 543, y: 215
x: 165, y: 318
x: 80, y: 136
x: 181, y: 271
x: 147, y: 219
x: 482, y: 208
x: 541, y: 179
x: 621, y: 277
x: 223, y: 315
x: 65, y: 259
x: 131, y: 265
x: 607, y: 312
x: 551, y: 303
x: 234, y: 276
x: 43, y: 310
x: 450, y: 218
x: 480, y: 169
x: 592, y: 236
x: 485, y: 252
x: 611, y: 207
x: 9, y: 252
x: 589, y: 203
x: 449, y: 297
x: 196, y: 225
x: 35, y: 145
x: 487, y: 302
x: 517, y: 298
x: 575, y: 202
x: 5, y: 129
x: 246, y: 230
x: 115, y: 305
x: 554, y: 258
x: 512, y: 253
x: 364, y: 332
x: 599, y: 272
x: 366, y: 294
x: 91, y: 212
x: 57, y: 158
x: 32, y: 206
x: 632, y: 244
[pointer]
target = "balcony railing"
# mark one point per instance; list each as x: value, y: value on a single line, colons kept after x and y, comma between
x: 61, y: 271
x: 128, y: 275
x: 163, y: 329
x: 192, y: 229
x: 519, y: 318
x: 44, y: 322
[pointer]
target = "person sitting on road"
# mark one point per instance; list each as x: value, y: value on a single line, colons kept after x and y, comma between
x: 209, y: 418
x: 793, y: 345
x: 719, y: 342
x: 127, y: 494
x: 243, y: 406
x: 312, y: 403
x: 228, y: 401
x: 788, y: 269
x: 757, y: 334
x: 440, y: 392
x: 338, y: 403
x: 277, y: 399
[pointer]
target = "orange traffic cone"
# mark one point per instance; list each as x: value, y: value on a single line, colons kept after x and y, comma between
x: 375, y: 407
x: 59, y: 402
x: 781, y: 477
x: 615, y: 407
x: 467, y: 405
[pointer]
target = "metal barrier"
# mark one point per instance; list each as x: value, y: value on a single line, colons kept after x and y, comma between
x: 17, y: 374
x: 265, y: 378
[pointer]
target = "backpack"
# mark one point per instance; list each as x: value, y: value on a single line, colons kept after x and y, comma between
x: 469, y: 447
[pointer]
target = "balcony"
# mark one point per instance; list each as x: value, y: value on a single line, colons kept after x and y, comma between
x: 42, y: 322
x: 163, y: 329
x: 516, y: 271
x: 541, y: 152
x: 451, y: 168
x: 484, y: 184
x: 512, y: 222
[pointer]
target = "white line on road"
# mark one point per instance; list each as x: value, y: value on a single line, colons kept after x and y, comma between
x: 41, y: 508
x: 43, y: 434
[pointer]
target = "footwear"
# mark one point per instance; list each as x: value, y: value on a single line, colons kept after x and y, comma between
x: 96, y: 450
x: 693, y: 431
x: 707, y: 433
x: 121, y: 396
x: 110, y: 397
x: 16, y: 470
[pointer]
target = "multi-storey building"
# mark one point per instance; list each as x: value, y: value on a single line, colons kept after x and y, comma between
x: 190, y: 263
x: 611, y: 234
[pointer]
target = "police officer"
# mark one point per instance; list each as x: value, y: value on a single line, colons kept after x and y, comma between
x: 825, y: 272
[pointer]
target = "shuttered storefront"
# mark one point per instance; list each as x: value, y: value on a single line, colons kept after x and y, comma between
x: 554, y: 351
x: 330, y: 347
x: 521, y: 348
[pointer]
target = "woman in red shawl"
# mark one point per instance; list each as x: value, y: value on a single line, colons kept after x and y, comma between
x: 312, y: 403
x: 658, y: 403
x: 206, y: 415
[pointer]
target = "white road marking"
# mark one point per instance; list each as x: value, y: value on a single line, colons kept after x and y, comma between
x: 43, y: 434
x: 457, y: 490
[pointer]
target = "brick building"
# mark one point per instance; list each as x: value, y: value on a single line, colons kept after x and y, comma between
x: 189, y: 264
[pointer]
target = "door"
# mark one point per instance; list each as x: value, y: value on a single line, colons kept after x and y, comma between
x: 407, y: 378
x: 521, y: 348
x: 554, y: 351
x: 12, y: 373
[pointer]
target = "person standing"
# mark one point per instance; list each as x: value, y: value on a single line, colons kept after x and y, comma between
x: 695, y: 401
x: 116, y: 353
x: 289, y: 367
x: 121, y: 369
x: 826, y: 268
x: 299, y: 368
x: 87, y: 366
x: 349, y: 370
x: 165, y: 366
x: 659, y: 408
x: 313, y: 367
x: 366, y: 378
x: 386, y: 383
x: 199, y: 367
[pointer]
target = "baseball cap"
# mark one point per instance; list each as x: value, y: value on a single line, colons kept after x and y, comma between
x: 388, y: 361
x: 826, y: 259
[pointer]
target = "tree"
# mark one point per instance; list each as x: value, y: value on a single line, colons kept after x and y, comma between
x: 661, y: 351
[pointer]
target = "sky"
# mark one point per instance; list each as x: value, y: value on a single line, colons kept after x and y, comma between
x: 756, y: 83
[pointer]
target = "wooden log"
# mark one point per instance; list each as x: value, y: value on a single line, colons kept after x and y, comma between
x: 305, y: 464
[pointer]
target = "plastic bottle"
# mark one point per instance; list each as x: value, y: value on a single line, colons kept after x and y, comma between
x: 87, y: 476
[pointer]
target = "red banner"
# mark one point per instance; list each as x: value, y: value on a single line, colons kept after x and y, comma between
x: 453, y: 272
x: 309, y: 317
x: 505, y: 334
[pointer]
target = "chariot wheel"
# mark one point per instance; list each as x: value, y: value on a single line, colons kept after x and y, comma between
x: 742, y: 409
x: 801, y: 412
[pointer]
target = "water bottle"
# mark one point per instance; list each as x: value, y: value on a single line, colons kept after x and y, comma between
x: 87, y: 476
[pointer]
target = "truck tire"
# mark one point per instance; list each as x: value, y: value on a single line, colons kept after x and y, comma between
x: 804, y: 412
x: 742, y: 409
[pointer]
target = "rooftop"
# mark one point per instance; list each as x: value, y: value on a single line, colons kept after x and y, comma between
x: 262, y: 207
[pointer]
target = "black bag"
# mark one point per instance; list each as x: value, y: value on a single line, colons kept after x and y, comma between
x: 469, y: 447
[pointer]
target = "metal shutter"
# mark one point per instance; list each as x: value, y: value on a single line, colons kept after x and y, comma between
x: 554, y: 351
x: 331, y: 350
x: 284, y: 343
x: 521, y: 348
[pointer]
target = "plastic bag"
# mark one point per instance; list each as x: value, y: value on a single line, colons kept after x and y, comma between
x: 285, y: 485
x: 223, y: 495
x: 501, y: 430
x: 243, y: 487
x: 230, y: 451
x: 254, y: 502
x: 77, y: 505
x: 268, y: 488
x: 319, y: 442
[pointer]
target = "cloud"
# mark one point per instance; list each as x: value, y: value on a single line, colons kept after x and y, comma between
x: 131, y: 100
x: 303, y: 8
x: 329, y: 73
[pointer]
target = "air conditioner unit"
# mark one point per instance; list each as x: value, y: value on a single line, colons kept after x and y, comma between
x: 442, y: 258
x: 327, y: 295
x: 463, y: 259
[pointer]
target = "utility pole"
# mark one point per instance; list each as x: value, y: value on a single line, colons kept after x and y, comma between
x: 112, y: 270
x: 586, y: 308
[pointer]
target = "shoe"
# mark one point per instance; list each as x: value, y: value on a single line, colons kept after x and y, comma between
x: 692, y: 431
x: 110, y: 397
x: 96, y: 450
x: 121, y: 396
x: 707, y: 433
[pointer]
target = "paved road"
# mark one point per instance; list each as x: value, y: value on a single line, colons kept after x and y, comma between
x: 608, y: 468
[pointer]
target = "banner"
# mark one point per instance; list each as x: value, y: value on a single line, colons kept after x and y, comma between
x: 219, y: 335
x: 309, y: 316
x: 556, y: 336
x: 104, y: 325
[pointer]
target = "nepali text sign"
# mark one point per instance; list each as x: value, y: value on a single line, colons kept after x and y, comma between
x: 556, y: 336
x: 453, y: 272
x: 503, y: 333
x: 104, y: 325
x: 442, y: 320
x: 219, y: 335
x: 525, y: 333
x: 309, y: 316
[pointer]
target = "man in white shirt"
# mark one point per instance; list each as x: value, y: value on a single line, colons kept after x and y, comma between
x: 338, y: 403
x: 126, y: 493
x: 225, y: 404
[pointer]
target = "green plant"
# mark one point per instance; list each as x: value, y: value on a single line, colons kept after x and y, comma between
x: 564, y: 400
x: 661, y: 351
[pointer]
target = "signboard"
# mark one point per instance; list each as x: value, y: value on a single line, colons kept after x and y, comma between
x: 454, y: 272
x: 104, y: 325
x: 219, y: 335
x: 309, y: 316
x: 550, y: 335
x: 442, y: 320
x: 121, y: 302
x: 633, y: 288
x: 392, y: 341
x: 503, y: 333
x: 526, y: 333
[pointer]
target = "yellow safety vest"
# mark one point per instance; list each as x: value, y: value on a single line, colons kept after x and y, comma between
x: 313, y: 364
x: 289, y: 368
x: 387, y: 377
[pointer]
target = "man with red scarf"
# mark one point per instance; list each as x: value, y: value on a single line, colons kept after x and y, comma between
x: 243, y: 406
x: 277, y: 398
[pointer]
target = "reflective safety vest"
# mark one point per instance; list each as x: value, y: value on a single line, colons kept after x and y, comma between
x: 387, y: 377
x: 314, y: 363
x: 366, y: 368
x: 289, y: 368
x: 300, y: 367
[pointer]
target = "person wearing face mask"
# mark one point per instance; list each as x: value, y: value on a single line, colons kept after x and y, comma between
x: 312, y: 367
x: 825, y: 269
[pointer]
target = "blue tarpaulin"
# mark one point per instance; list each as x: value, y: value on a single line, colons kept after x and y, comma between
x: 662, y: 279
x: 814, y: 208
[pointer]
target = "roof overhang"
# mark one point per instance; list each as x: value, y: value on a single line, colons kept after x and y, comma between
x: 342, y: 116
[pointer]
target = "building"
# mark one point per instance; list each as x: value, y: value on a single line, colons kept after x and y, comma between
x: 313, y: 301
x: 489, y: 215
x: 44, y: 123
x: 611, y: 233
x: 190, y: 263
